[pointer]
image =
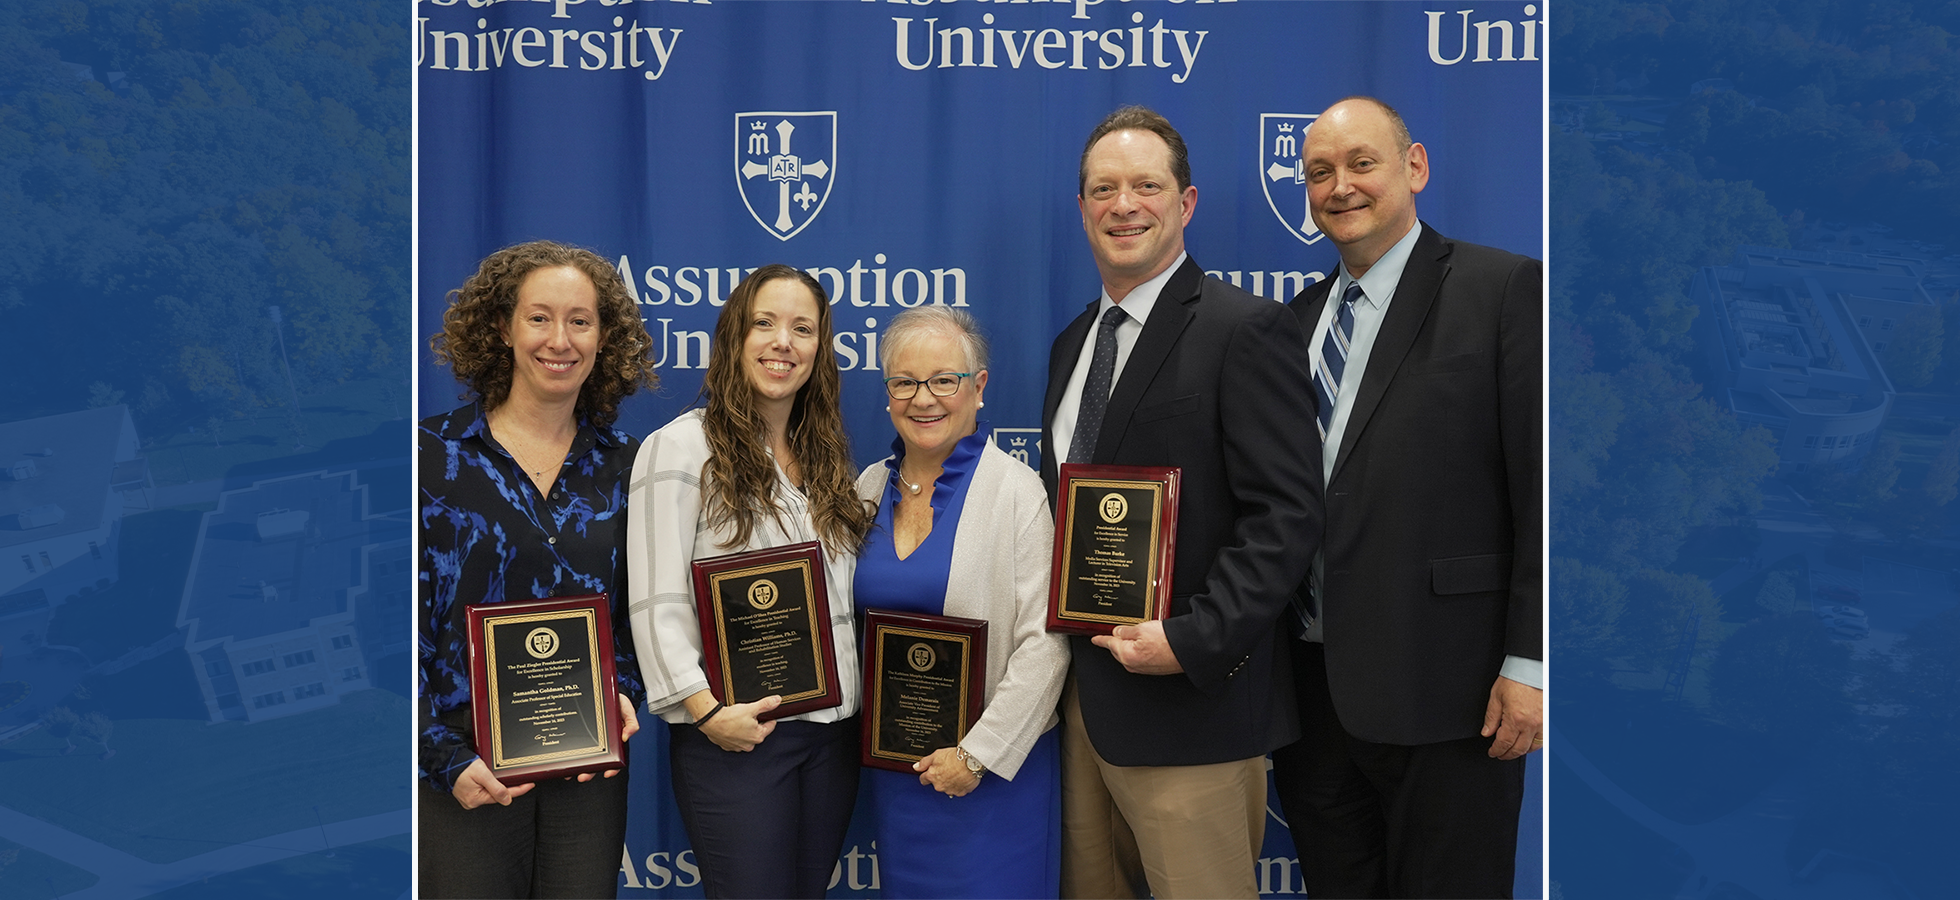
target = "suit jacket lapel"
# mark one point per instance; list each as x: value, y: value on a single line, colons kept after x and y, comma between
x: 1061, y: 365
x: 1312, y: 302
x: 1422, y: 278
x: 1173, y: 311
x: 1061, y: 360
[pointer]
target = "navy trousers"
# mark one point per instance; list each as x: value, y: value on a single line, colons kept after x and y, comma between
x: 1386, y: 820
x: 769, y: 822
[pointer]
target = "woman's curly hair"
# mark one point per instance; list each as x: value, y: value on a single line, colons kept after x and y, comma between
x: 472, y: 338
x: 740, y: 478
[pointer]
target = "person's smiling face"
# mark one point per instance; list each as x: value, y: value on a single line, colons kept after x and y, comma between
x: 553, y: 334
x: 781, y: 347
x: 1361, y: 184
x: 930, y: 424
x: 1132, y: 209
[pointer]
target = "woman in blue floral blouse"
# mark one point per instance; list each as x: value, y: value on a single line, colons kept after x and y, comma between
x: 523, y: 496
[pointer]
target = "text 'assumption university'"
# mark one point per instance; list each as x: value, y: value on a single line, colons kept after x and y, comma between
x: 615, y: 35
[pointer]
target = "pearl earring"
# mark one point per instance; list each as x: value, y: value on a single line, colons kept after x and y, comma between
x: 888, y: 407
x: 983, y: 404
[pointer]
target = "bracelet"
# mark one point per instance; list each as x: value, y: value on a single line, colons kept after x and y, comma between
x: 973, y: 764
x: 719, y: 706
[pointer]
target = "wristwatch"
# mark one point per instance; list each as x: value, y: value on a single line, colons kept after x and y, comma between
x: 973, y: 764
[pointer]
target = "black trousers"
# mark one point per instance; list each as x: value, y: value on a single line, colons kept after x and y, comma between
x: 1386, y: 820
x: 562, y: 839
x: 769, y: 822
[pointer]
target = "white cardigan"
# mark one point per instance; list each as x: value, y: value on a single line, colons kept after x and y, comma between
x: 1002, y: 550
x: 667, y: 529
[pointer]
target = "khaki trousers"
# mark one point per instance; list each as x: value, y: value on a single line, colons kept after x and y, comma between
x: 1172, y: 832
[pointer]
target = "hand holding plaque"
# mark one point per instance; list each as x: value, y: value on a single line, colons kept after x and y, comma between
x: 765, y: 628
x: 1115, y: 542
x: 542, y: 688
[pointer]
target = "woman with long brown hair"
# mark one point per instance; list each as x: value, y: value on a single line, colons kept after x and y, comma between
x: 523, y: 496
x: 763, y: 463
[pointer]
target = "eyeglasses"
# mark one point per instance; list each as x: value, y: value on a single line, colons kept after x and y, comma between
x: 944, y: 384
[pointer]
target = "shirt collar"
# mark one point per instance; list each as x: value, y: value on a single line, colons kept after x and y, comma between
x: 1378, y: 283
x: 959, y: 464
x: 1140, y: 301
x: 464, y: 422
x: 606, y: 437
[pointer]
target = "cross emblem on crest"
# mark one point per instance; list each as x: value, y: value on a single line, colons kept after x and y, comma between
x: 762, y: 163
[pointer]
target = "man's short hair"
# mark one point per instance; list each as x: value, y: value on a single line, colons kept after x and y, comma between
x: 1402, y: 139
x: 1141, y: 119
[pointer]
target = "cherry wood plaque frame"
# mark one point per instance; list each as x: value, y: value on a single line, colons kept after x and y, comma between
x: 896, y: 641
x: 731, y: 605
x: 1084, y: 502
x: 533, y: 691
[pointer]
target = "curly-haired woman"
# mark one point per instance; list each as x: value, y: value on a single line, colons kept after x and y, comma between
x: 765, y: 463
x: 524, y: 497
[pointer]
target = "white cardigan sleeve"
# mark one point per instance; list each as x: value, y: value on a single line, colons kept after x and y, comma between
x: 1007, y: 576
x: 665, y: 503
x: 1001, y: 557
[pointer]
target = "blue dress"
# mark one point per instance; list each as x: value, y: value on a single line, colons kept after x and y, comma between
x: 1003, y: 839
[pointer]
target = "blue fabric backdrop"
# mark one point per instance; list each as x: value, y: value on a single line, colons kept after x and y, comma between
x: 917, y: 152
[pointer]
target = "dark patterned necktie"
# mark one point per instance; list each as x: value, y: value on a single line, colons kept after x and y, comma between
x: 1333, y: 357
x: 1095, y: 391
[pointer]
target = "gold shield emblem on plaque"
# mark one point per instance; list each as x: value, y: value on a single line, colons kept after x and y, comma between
x: 541, y: 642
x: 1113, y: 508
x: 763, y: 594
x: 921, y: 657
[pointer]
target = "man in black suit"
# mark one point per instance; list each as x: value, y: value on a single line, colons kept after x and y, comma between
x: 1166, y: 724
x: 1419, y: 669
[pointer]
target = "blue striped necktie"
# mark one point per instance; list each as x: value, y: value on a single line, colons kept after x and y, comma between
x: 1334, y: 356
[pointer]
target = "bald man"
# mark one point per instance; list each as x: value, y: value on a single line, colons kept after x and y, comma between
x: 1418, y: 666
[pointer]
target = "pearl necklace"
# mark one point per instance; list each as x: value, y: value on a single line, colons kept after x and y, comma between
x: 914, y: 488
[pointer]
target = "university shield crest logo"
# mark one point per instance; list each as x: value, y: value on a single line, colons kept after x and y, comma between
x: 1281, y: 176
x: 784, y: 165
x: 1023, y: 444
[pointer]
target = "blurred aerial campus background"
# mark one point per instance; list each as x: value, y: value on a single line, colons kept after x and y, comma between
x: 204, y: 483
x: 1755, y: 448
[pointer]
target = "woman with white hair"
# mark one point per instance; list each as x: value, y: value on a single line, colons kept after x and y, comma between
x: 950, y: 501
